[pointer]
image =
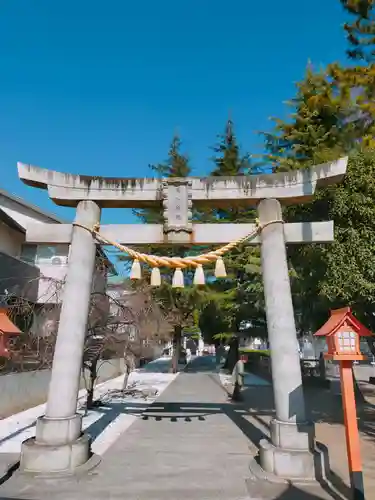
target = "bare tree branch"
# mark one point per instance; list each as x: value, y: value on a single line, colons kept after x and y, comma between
x: 122, y: 323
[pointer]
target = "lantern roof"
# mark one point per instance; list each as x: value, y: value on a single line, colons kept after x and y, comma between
x: 6, y: 325
x: 338, y: 318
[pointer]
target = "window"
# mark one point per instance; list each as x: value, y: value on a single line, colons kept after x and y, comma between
x: 52, y: 254
x: 45, y: 252
x: 347, y: 342
x: 56, y: 255
x: 28, y: 253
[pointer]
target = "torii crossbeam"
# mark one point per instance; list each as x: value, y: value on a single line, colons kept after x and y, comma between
x: 177, y: 195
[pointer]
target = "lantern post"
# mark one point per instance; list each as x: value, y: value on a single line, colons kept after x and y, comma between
x: 342, y: 332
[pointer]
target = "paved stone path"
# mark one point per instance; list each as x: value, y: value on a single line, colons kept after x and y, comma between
x: 193, y: 444
x: 188, y: 445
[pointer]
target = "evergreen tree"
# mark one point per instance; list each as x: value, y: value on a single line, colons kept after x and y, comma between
x: 333, y: 114
x: 179, y: 306
x: 240, y: 296
x: 322, y: 128
x: 339, y: 273
x: 361, y: 31
x: 228, y: 160
x: 176, y: 165
x: 318, y: 127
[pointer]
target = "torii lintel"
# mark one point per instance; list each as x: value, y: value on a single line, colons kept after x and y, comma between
x: 108, y: 192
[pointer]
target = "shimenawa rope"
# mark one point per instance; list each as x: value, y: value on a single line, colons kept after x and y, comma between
x: 178, y: 263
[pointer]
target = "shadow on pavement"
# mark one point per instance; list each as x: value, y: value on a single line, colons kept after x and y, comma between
x: 202, y: 364
x: 115, y: 408
x: 161, y: 365
x: 251, y: 416
x: 239, y: 415
x: 111, y: 410
x: 294, y: 493
x: 12, y: 469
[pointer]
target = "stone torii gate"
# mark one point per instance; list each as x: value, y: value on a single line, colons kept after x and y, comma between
x: 59, y: 445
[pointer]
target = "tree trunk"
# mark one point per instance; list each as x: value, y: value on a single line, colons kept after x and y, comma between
x: 126, y: 378
x: 176, y: 347
x: 371, y: 344
x: 129, y: 367
x: 90, y: 390
x: 233, y: 355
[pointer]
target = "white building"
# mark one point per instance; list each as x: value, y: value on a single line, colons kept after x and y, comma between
x: 35, y: 272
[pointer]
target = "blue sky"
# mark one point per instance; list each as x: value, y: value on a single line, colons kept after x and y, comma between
x: 99, y: 88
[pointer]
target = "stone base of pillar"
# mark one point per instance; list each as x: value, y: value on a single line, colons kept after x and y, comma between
x: 58, y: 431
x: 290, y: 454
x: 287, y: 463
x: 300, y: 436
x: 268, y: 485
x: 44, y: 460
x: 59, y: 448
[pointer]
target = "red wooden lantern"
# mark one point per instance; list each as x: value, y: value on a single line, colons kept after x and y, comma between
x: 343, y: 332
x: 7, y: 329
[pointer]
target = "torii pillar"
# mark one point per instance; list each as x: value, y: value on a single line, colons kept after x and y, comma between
x: 59, y: 445
x: 289, y: 454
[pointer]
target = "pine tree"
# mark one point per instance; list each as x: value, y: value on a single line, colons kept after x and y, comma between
x: 327, y: 122
x: 240, y: 296
x: 332, y: 113
x: 228, y: 159
x: 355, y: 87
x: 317, y: 128
x: 179, y: 306
x: 361, y: 31
x: 176, y: 165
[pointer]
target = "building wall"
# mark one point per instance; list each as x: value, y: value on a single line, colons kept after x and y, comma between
x: 51, y: 284
x: 21, y: 274
x: 20, y: 391
x: 17, y: 277
x: 10, y: 240
x: 21, y: 214
x: 52, y: 260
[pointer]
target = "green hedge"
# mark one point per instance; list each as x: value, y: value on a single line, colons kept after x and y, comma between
x: 255, y: 359
x: 255, y: 352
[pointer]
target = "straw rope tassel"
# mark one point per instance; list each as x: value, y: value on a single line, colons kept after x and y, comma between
x: 136, y: 272
x: 220, y: 271
x: 199, y: 276
x: 155, y: 277
x: 178, y: 278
